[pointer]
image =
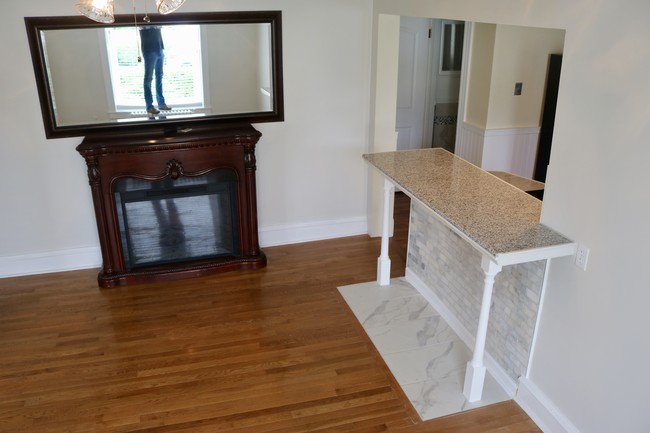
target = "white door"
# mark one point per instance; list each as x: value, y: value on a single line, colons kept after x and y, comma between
x: 412, y: 82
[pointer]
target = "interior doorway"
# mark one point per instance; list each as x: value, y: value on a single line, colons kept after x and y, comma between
x: 429, y: 72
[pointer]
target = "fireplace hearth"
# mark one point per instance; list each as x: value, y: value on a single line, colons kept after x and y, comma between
x: 174, y: 206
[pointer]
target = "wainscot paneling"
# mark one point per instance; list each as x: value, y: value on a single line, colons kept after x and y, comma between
x: 512, y: 150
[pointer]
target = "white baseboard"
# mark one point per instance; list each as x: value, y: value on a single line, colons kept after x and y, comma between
x: 309, y: 232
x: 502, y: 378
x: 53, y: 261
x: 541, y: 409
x: 90, y: 257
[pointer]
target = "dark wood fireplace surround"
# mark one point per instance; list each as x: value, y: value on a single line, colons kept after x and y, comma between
x: 158, y: 156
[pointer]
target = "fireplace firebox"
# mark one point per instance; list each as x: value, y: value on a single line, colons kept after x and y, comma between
x: 172, y: 206
x: 175, y: 220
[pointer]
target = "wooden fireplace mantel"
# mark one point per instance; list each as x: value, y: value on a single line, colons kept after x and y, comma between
x: 158, y: 156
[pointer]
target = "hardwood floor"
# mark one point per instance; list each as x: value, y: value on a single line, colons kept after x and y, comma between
x: 272, y: 350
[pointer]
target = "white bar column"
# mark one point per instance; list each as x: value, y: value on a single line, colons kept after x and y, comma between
x: 383, y: 262
x: 475, y: 373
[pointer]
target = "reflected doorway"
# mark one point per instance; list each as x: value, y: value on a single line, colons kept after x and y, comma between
x: 429, y: 71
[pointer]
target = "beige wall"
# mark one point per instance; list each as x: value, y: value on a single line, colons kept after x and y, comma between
x: 480, y: 74
x: 78, y: 97
x: 240, y: 45
x: 520, y: 55
x: 502, y: 55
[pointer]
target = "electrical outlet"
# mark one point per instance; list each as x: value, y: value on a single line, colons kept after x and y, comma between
x: 582, y: 256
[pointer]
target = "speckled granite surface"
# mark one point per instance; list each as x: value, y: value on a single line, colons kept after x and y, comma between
x: 497, y: 216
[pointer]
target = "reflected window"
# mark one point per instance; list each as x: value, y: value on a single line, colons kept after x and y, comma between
x: 183, y: 71
x: 451, y: 46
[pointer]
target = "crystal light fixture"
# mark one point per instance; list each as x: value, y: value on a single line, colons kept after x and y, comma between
x: 168, y: 6
x: 97, y: 10
x: 102, y: 10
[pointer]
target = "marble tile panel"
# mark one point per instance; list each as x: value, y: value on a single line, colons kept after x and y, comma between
x: 443, y: 396
x: 376, y: 305
x: 357, y: 294
x: 437, y: 361
x: 411, y: 334
x: 425, y: 356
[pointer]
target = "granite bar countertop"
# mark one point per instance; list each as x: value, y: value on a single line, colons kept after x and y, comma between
x: 497, y: 216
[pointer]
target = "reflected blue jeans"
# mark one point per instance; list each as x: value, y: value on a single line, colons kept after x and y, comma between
x: 153, y: 64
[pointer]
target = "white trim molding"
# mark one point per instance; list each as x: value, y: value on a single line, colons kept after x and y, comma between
x: 541, y: 409
x: 91, y: 257
x: 313, y: 231
x: 469, y: 143
x: 51, y: 261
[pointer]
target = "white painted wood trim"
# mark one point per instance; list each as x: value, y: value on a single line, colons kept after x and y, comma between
x: 513, y: 150
x: 475, y: 372
x: 541, y: 409
x: 312, y: 231
x: 383, y: 262
x: 533, y: 255
x: 500, y: 132
x: 469, y: 143
x: 498, y: 373
x: 51, y: 261
x: 90, y: 257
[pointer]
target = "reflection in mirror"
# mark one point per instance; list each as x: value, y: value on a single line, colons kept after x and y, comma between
x: 93, y: 76
x: 482, y: 117
x: 105, y: 82
x: 451, y: 46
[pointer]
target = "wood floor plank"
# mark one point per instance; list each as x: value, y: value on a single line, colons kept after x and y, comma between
x: 272, y: 350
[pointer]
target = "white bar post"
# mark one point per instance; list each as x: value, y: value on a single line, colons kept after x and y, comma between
x: 383, y: 262
x: 475, y: 373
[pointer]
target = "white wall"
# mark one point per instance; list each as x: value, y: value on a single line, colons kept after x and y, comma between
x: 81, y: 49
x: 590, y: 362
x: 240, y: 45
x: 311, y: 177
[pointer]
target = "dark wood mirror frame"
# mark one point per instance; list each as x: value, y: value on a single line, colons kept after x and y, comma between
x: 52, y: 130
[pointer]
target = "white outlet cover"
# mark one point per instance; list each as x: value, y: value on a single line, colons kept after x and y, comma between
x: 582, y: 256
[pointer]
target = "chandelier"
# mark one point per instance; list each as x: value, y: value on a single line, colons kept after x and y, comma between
x: 102, y: 10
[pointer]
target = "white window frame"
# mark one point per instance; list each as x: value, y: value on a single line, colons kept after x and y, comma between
x: 119, y: 111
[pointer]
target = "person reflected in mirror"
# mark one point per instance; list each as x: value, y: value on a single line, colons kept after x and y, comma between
x: 153, y: 52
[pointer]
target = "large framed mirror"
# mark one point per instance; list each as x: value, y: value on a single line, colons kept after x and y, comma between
x: 219, y: 67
